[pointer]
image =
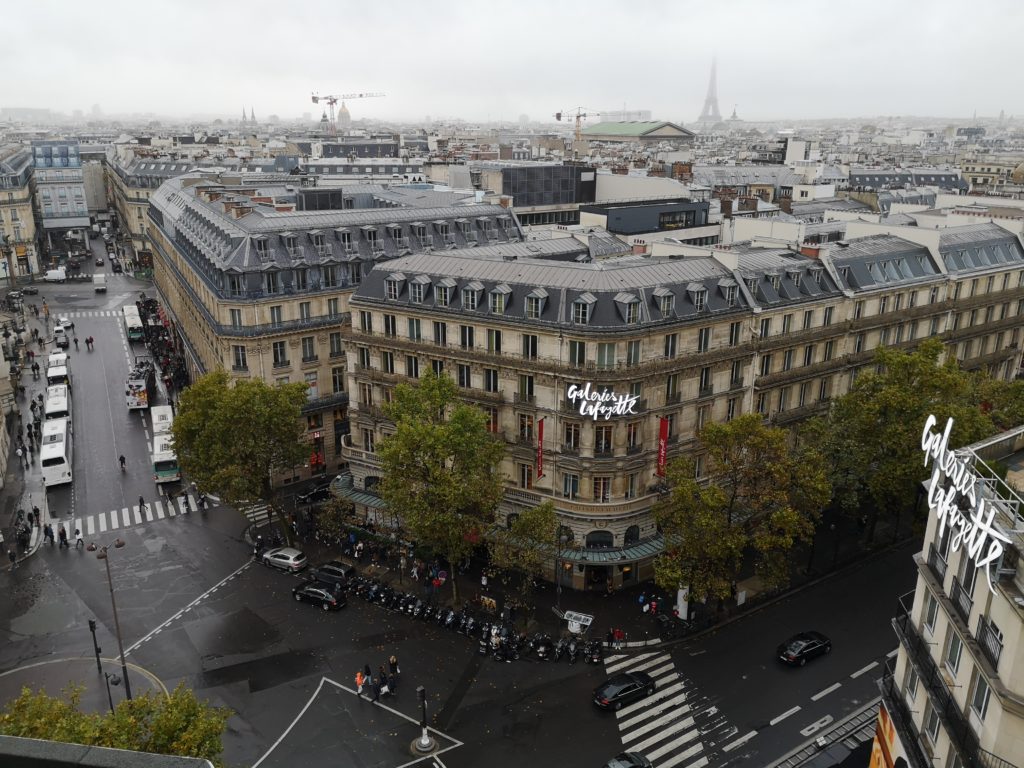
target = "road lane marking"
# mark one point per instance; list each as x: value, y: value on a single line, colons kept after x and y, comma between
x: 159, y: 509
x: 657, y: 709
x: 783, y: 716
x: 90, y: 526
x: 673, y: 761
x: 892, y: 653
x: 124, y: 517
x: 653, y: 663
x: 138, y: 515
x: 686, y: 724
x: 187, y: 504
x: 627, y: 664
x: 826, y: 692
x: 810, y: 729
x: 656, y: 723
x: 666, y: 679
x: 662, y: 670
x: 189, y: 607
x: 739, y: 742
x: 113, y: 519
x: 103, y: 523
x: 862, y: 670
x: 661, y: 694
x: 666, y: 748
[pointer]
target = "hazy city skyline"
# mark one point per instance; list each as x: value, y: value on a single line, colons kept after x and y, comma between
x: 792, y: 60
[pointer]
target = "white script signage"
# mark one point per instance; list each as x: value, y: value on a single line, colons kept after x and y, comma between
x: 975, y: 528
x: 601, y: 404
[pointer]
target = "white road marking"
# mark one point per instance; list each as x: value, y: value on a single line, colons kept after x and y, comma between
x: 78, y: 526
x: 810, y: 729
x: 188, y: 504
x: 739, y: 742
x: 170, y: 510
x: 656, y: 723
x: 642, y: 704
x: 124, y: 517
x: 862, y: 670
x: 666, y: 679
x: 629, y: 663
x: 672, y: 761
x: 159, y: 509
x: 892, y: 653
x: 662, y: 670
x: 783, y: 716
x: 657, y: 708
x: 826, y: 692
x: 103, y: 523
x: 653, y: 663
x: 90, y: 526
x: 113, y: 519
x: 686, y: 724
x: 666, y: 748
x: 293, y: 723
x: 138, y: 515
x: 189, y: 607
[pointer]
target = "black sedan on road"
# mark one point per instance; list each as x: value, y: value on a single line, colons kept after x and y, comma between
x: 319, y: 492
x: 622, y: 689
x: 311, y: 592
x: 806, y: 645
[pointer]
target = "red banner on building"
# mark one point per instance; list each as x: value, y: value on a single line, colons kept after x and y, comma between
x: 662, y: 446
x: 540, y: 449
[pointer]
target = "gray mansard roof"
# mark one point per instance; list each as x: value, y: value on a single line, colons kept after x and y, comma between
x: 882, y: 260
x: 978, y: 247
x: 694, y: 288
x: 239, y: 229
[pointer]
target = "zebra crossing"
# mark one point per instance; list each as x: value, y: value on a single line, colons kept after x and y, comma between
x: 256, y: 513
x: 127, y: 517
x: 91, y: 313
x: 673, y: 728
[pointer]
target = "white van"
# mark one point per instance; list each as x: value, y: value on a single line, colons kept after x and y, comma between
x: 58, y: 374
x: 57, y: 360
x: 55, y: 275
x: 60, y: 337
x: 99, y: 283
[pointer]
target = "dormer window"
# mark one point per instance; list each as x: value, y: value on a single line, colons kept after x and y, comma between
x: 418, y: 288
x: 499, y: 298
x: 629, y: 307
x: 443, y: 292
x: 346, y: 239
x: 393, y: 285
x: 698, y: 295
x: 730, y: 295
x: 816, y: 276
x: 795, y: 275
x: 776, y: 281
x: 471, y: 295
x: 535, y: 302
x: 665, y: 301
x: 752, y: 285
x: 260, y: 244
x: 581, y: 309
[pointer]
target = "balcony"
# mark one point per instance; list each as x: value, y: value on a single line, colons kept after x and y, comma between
x: 525, y: 439
x: 672, y: 398
x: 325, y: 401
x: 521, y: 398
x: 279, y: 364
x: 953, y: 719
x: 603, y: 452
x: 899, y: 714
x: 707, y: 391
x: 937, y: 564
x: 633, y: 450
x: 570, y: 450
x: 961, y: 600
x: 991, y: 644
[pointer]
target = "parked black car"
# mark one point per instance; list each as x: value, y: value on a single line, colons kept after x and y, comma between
x: 806, y: 645
x: 333, y: 572
x: 319, y: 492
x: 622, y: 689
x: 311, y: 592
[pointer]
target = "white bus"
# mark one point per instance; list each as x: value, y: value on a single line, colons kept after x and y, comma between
x: 132, y: 323
x: 58, y: 402
x: 163, y: 418
x: 165, y: 460
x: 55, y: 452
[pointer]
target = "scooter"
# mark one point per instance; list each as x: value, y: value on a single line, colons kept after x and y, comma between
x: 559, y: 649
x: 572, y: 649
x: 594, y: 653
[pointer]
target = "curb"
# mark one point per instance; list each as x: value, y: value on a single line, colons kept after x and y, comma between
x: 36, y: 537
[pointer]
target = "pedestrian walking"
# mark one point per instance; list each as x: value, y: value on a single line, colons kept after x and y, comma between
x: 21, y: 456
x: 393, y: 684
x: 79, y: 541
x: 375, y: 685
x: 35, y: 511
x: 13, y: 557
x: 76, y: 343
x: 367, y: 672
x: 48, y: 533
x: 62, y: 535
x: 393, y: 665
x: 360, y: 680
x: 142, y: 504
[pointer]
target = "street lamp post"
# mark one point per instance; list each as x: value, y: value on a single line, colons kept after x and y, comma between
x: 112, y: 679
x: 101, y: 554
x: 562, y: 541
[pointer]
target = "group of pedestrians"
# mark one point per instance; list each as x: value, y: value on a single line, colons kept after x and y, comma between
x: 384, y: 684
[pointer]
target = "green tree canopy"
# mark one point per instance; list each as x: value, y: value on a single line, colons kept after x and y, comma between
x: 440, y: 467
x: 179, y: 724
x: 233, y: 437
x: 871, y: 438
x: 763, y: 496
x: 529, y: 545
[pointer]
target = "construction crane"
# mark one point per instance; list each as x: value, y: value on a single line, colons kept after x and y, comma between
x: 580, y: 115
x: 331, y: 100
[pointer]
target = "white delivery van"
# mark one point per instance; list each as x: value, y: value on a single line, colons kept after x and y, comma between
x: 99, y: 283
x: 58, y: 374
x: 55, y: 275
x: 60, y: 338
x: 57, y: 359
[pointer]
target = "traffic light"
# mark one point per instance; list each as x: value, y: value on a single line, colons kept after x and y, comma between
x: 92, y: 625
x: 421, y: 694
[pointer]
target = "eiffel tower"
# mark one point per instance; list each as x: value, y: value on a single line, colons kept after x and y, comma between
x: 710, y: 113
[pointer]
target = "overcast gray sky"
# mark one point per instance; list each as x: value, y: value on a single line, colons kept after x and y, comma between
x: 486, y: 60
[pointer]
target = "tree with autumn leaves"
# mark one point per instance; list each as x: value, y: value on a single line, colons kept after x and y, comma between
x: 440, y: 468
x: 764, y: 496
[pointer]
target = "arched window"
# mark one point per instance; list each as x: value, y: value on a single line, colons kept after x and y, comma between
x: 599, y: 540
x: 632, y: 535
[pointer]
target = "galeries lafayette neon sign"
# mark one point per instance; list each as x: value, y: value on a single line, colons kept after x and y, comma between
x: 975, y: 531
x: 601, y: 404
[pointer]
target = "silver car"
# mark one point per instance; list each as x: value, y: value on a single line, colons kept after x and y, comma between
x: 285, y: 558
